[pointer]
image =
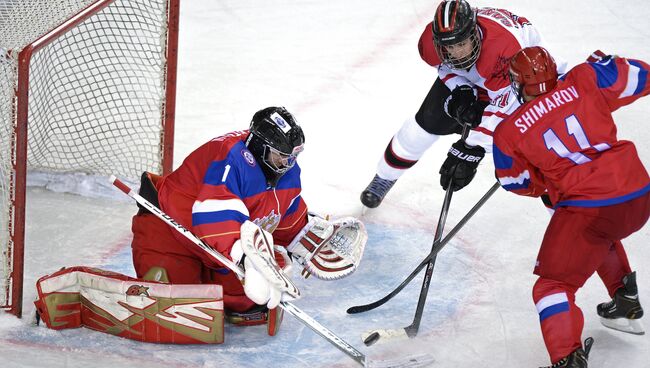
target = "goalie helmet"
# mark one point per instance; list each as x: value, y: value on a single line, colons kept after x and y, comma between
x: 533, y: 72
x: 455, y: 34
x: 275, y: 140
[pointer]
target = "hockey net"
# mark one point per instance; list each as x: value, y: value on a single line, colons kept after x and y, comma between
x: 86, y: 87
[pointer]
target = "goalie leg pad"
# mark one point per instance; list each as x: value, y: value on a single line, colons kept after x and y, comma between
x: 120, y: 305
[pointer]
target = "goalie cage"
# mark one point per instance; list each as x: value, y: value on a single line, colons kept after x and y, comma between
x: 92, y: 83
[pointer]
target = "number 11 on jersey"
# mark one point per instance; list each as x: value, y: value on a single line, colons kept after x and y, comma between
x: 574, y: 128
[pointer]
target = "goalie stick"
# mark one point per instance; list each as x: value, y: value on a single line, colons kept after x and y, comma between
x: 436, y: 248
x: 339, y: 343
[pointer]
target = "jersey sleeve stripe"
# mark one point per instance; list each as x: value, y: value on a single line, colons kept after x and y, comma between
x: 510, y: 183
x: 215, y: 205
x: 219, y: 216
x: 636, y: 79
x: 606, y: 73
x: 484, y: 130
x: 501, y: 160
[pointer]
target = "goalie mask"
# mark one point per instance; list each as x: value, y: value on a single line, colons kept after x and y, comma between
x: 275, y: 140
x: 456, y: 34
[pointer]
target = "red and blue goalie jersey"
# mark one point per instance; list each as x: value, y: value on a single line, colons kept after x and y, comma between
x: 220, y: 185
x: 564, y: 142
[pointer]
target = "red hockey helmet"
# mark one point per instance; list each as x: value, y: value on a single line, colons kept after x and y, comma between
x: 455, y: 34
x: 532, y: 72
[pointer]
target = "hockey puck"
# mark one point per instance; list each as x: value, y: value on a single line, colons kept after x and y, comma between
x: 371, y: 339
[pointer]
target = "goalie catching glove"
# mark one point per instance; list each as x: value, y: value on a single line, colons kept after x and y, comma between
x: 329, y: 250
x: 265, y: 282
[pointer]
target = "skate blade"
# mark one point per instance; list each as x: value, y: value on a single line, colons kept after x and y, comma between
x: 632, y: 326
x: 413, y: 361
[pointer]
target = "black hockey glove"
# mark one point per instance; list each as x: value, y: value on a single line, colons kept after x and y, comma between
x: 463, y: 106
x: 460, y: 166
x: 546, y: 199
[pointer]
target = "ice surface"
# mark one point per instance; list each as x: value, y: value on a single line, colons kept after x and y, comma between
x: 351, y: 73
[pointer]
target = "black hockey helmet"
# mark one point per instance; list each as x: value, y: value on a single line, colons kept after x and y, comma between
x: 454, y: 25
x: 275, y: 140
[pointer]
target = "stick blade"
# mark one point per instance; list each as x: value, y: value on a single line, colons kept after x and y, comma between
x: 359, y: 308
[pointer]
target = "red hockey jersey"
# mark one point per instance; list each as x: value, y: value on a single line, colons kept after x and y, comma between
x: 220, y: 185
x: 564, y: 141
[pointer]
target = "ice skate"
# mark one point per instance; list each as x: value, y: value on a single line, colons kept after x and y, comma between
x: 624, y: 311
x: 375, y: 192
x: 577, y: 359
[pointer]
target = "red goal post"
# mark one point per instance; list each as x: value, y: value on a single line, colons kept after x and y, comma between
x: 86, y: 87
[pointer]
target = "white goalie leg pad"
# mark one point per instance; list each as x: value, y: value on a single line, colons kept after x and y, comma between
x: 264, y: 281
x: 329, y: 250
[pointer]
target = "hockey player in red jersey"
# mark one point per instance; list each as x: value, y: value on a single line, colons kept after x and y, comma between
x: 242, y: 176
x: 562, y: 143
x: 240, y: 193
x: 470, y: 48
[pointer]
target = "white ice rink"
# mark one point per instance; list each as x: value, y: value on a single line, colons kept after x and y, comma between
x: 351, y: 73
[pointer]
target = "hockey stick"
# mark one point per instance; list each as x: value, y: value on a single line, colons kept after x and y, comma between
x: 410, y: 331
x: 290, y: 308
x: 436, y: 248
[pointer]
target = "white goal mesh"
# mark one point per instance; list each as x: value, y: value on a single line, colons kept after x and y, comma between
x: 97, y: 95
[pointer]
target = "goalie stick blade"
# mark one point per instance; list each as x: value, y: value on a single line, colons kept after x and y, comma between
x: 383, y: 335
x: 414, y: 361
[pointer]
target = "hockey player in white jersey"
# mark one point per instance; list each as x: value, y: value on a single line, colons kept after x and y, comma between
x: 470, y: 48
